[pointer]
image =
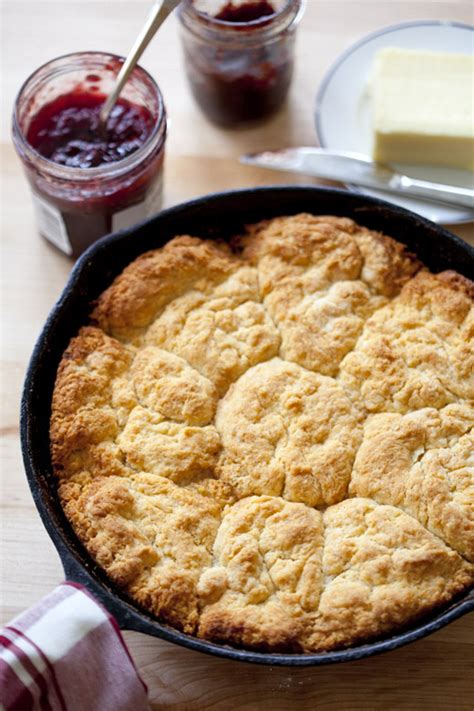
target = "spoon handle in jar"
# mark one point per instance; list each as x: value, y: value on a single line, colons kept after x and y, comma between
x: 158, y: 15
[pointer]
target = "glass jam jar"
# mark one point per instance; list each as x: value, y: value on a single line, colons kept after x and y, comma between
x: 239, y: 55
x: 86, y: 182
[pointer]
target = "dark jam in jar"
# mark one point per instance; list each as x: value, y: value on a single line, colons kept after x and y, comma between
x: 88, y: 181
x: 239, y: 60
x: 243, y: 99
x: 248, y: 12
x: 67, y: 130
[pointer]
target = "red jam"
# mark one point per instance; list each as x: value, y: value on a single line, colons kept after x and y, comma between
x: 249, y: 12
x: 87, y: 181
x: 67, y: 132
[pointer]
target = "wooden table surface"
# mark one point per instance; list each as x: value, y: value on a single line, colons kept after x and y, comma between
x: 434, y: 673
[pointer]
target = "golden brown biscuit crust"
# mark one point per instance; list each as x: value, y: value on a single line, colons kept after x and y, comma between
x: 382, y: 569
x: 266, y: 574
x: 207, y: 426
x: 321, y: 278
x: 289, y: 432
x: 417, y: 351
x: 423, y: 463
x: 147, y: 285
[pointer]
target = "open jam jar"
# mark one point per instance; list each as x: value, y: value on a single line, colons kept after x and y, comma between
x: 239, y: 55
x: 85, y: 181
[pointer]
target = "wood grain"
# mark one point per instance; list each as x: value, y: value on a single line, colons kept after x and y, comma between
x: 434, y: 674
x: 426, y: 676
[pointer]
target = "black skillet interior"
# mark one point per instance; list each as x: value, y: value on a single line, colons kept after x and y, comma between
x: 221, y: 215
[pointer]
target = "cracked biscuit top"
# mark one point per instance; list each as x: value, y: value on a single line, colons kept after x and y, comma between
x: 270, y: 444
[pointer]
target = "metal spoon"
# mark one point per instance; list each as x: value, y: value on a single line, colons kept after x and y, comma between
x: 158, y: 15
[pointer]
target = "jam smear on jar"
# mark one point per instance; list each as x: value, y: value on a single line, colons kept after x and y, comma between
x: 67, y: 130
x: 249, y: 12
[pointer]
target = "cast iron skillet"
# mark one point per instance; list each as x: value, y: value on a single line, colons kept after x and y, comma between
x: 221, y: 214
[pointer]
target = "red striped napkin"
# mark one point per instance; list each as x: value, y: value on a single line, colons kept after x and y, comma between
x: 67, y: 654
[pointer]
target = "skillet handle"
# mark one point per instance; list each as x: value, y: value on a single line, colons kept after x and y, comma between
x: 73, y: 571
x: 76, y: 572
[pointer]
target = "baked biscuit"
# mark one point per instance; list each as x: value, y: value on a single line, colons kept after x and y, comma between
x: 423, y: 462
x: 197, y: 300
x: 221, y: 333
x: 382, y: 569
x: 140, y: 294
x: 107, y: 420
x: 418, y: 351
x: 166, y: 384
x: 288, y: 432
x: 321, y: 278
x: 89, y: 405
x: 170, y: 449
x: 208, y: 423
x: 266, y: 574
x: 153, y: 538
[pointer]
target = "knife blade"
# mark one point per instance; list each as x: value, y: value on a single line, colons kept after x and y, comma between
x: 359, y: 169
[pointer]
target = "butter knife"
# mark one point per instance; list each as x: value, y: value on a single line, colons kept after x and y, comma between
x: 359, y: 169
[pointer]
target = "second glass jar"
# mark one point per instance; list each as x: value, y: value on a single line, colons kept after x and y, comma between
x: 239, y: 56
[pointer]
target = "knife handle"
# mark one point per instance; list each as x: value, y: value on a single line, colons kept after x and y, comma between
x: 460, y: 197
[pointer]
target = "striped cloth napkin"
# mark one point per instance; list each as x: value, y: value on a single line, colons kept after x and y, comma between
x: 67, y: 654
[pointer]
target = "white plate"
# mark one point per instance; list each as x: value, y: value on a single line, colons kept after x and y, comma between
x: 343, y: 106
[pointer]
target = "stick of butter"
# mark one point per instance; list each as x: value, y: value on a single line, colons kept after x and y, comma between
x: 424, y: 108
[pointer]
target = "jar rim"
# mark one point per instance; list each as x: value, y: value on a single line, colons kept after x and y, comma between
x: 117, y: 168
x: 289, y: 14
x: 263, y: 20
